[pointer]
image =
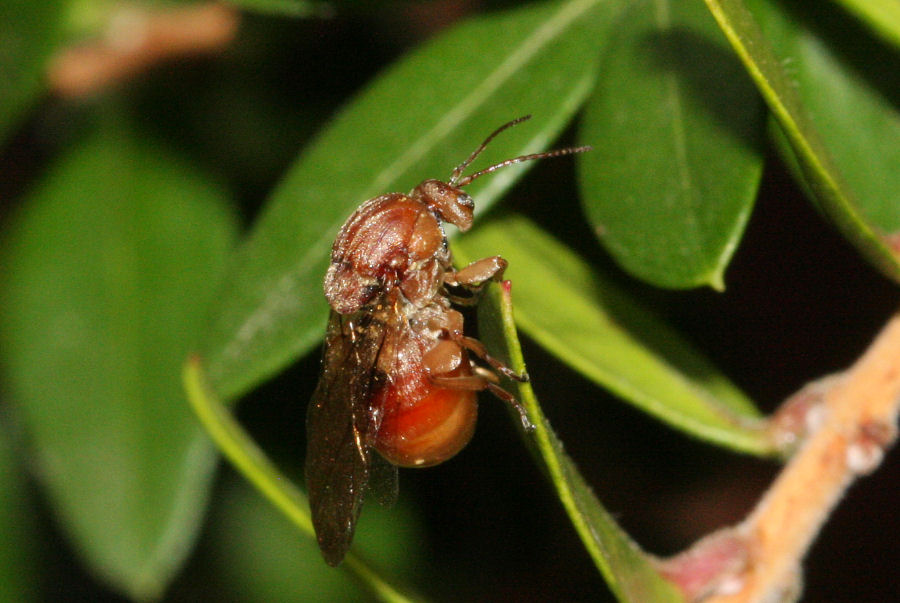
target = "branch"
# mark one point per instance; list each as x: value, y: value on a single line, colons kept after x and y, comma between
x: 136, y: 38
x: 851, y: 419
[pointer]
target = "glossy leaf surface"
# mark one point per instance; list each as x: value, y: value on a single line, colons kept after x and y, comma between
x: 106, y: 273
x: 831, y: 191
x: 628, y: 571
x: 854, y: 104
x: 882, y: 16
x: 676, y: 127
x: 600, y: 331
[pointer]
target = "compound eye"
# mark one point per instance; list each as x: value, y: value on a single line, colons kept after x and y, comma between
x: 451, y: 204
x: 460, y: 211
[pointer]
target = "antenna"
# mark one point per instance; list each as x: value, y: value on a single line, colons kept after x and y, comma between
x: 458, y: 182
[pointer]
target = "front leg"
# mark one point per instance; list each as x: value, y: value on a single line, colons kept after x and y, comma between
x: 474, y: 277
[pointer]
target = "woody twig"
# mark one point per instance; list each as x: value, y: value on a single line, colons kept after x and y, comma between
x: 137, y: 37
x: 851, y: 419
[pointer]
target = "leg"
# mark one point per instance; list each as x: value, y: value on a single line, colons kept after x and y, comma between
x: 477, y: 348
x: 481, y: 380
x: 438, y: 358
x: 481, y: 271
x: 474, y: 277
x: 511, y: 399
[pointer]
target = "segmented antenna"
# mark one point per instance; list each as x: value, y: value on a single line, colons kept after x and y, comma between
x: 458, y: 182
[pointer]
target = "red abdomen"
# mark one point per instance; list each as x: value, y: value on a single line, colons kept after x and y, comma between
x: 423, y: 424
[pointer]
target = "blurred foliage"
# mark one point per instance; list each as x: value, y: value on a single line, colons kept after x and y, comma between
x: 120, y: 254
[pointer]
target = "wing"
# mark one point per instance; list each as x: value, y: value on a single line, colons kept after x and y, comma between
x: 383, y: 480
x: 340, y: 428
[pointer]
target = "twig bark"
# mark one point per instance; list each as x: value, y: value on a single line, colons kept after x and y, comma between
x: 137, y: 37
x: 858, y: 422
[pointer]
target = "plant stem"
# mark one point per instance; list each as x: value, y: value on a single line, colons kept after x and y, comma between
x: 859, y: 423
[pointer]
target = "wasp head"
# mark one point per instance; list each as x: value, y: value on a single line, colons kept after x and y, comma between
x: 451, y: 203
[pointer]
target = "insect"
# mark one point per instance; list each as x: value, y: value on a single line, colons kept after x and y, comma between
x: 398, y: 381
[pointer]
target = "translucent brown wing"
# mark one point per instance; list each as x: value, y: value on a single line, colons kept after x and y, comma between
x: 341, y: 428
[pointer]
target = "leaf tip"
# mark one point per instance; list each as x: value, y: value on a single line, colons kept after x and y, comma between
x: 717, y: 283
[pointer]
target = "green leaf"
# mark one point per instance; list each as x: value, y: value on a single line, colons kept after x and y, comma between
x: 882, y: 16
x: 416, y: 121
x: 29, y: 33
x: 853, y: 106
x: 830, y: 191
x: 251, y: 461
x: 629, y: 572
x: 286, y: 8
x: 600, y: 331
x: 676, y: 126
x: 261, y: 559
x: 18, y: 570
x: 107, y: 272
